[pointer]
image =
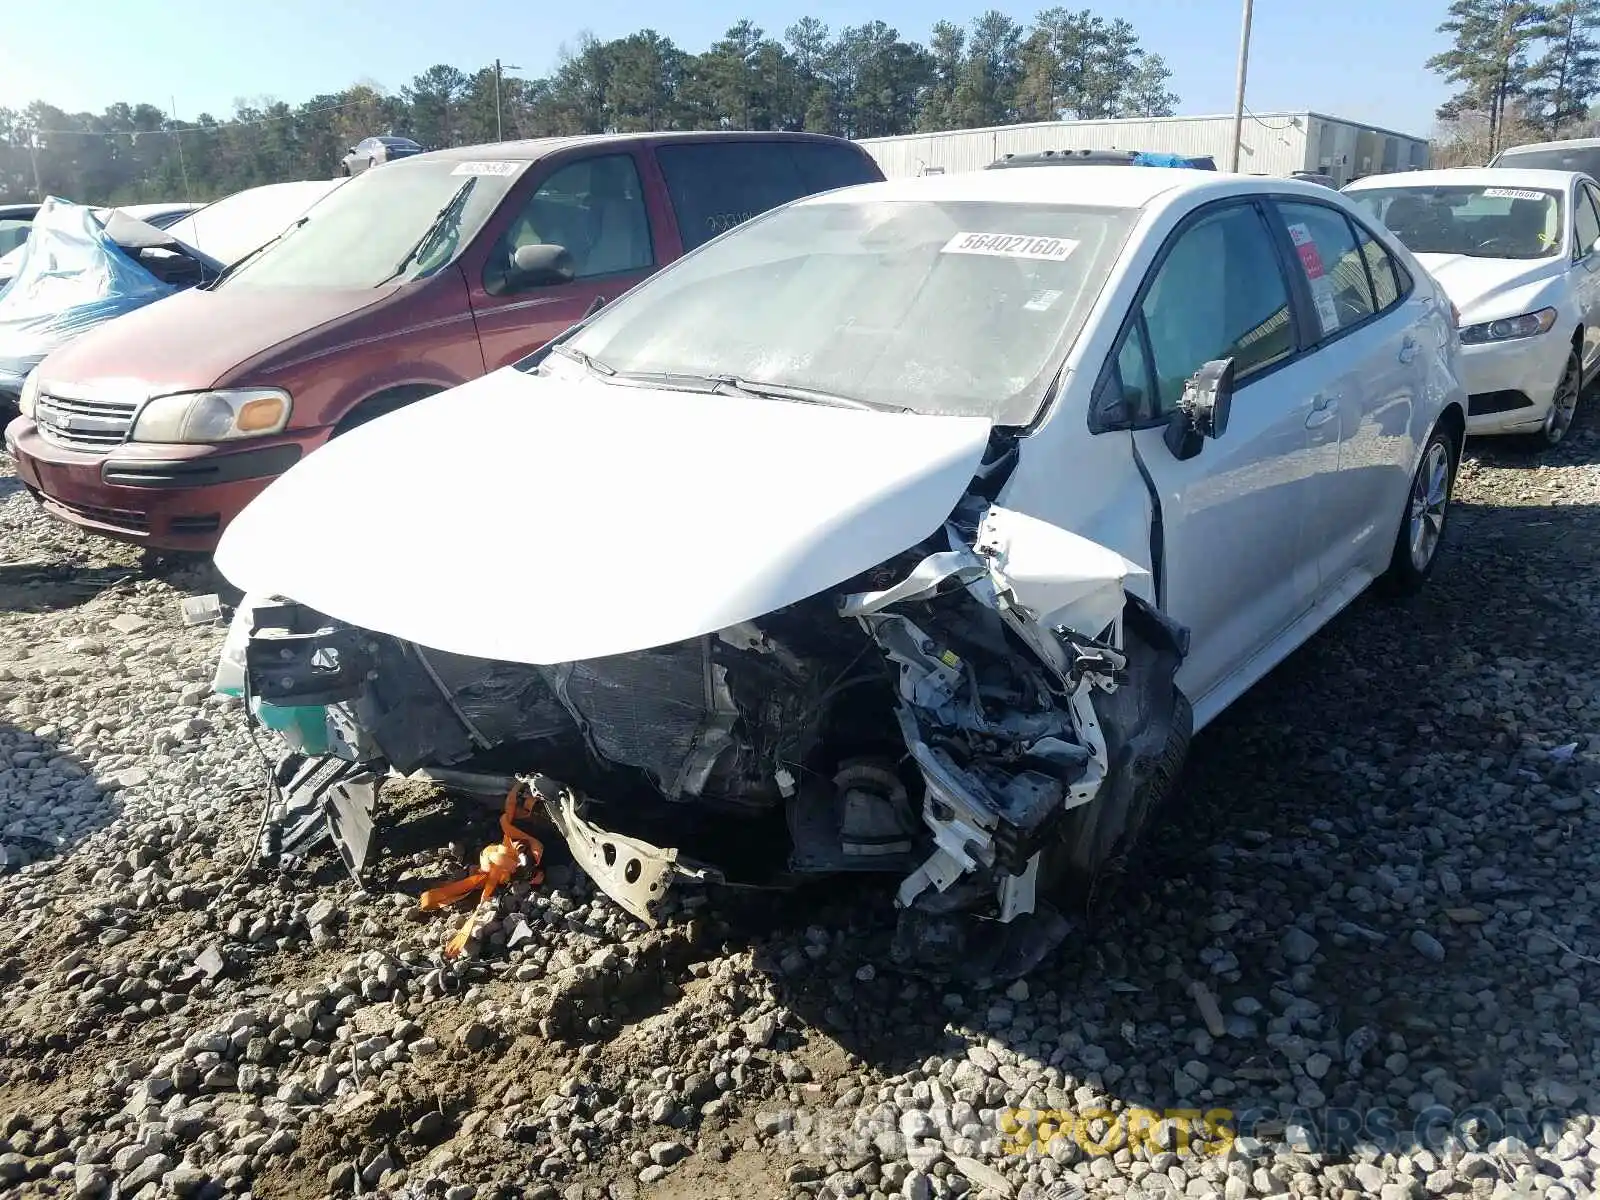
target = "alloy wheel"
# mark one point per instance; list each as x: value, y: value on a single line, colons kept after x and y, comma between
x: 1564, y: 404
x: 1430, y: 494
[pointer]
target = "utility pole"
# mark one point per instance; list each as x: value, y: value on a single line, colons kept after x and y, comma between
x: 499, y: 131
x: 33, y: 155
x: 1238, y: 96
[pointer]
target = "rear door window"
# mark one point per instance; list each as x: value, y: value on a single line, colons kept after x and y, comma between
x: 1334, y: 269
x: 717, y: 185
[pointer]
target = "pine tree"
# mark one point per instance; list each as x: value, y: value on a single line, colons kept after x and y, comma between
x: 1489, y: 59
x: 1566, y: 78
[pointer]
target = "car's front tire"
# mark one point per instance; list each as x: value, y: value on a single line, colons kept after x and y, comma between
x: 1422, y: 525
x: 1564, y: 404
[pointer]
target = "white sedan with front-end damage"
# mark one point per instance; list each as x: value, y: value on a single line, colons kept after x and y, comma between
x: 1518, y: 253
x: 910, y: 528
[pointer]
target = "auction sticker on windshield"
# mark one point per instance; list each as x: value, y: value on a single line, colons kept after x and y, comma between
x: 486, y: 168
x: 1514, y: 194
x: 1012, y: 245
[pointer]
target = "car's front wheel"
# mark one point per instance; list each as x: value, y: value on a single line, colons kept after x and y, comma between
x: 1564, y: 404
x: 1416, y: 546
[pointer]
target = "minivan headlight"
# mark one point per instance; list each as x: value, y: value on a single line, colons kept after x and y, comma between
x: 220, y: 416
x: 1509, y: 328
x: 29, y: 395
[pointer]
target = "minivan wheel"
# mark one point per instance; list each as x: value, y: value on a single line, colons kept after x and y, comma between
x: 1416, y: 546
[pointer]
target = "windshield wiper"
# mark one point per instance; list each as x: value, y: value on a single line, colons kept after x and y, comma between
x: 688, y: 381
x: 588, y: 360
x: 237, y: 263
x: 784, y: 391
x: 450, y: 212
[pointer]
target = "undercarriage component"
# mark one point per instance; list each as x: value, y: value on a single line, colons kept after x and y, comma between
x: 323, y: 797
x: 635, y: 874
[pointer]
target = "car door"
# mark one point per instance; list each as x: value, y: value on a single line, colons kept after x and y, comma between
x: 1585, y: 270
x: 593, y: 205
x: 1234, y: 566
x: 1367, y: 373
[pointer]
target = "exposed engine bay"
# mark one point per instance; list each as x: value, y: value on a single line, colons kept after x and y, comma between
x: 982, y: 717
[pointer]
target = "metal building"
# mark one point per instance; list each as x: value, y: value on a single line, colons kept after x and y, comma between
x: 1275, y: 143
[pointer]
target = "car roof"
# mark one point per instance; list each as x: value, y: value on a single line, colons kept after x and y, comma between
x: 1564, y: 144
x: 1087, y: 185
x: 536, y: 148
x: 18, y: 210
x: 1470, y: 177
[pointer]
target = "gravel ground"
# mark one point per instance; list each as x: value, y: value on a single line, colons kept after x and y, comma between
x: 1376, y: 899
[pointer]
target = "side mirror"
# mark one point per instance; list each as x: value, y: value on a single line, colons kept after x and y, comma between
x: 540, y: 265
x: 1204, y: 409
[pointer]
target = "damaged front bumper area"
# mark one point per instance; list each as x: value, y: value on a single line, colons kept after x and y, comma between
x: 984, y: 718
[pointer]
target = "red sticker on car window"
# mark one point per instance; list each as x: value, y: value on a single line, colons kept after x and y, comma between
x: 1307, y: 249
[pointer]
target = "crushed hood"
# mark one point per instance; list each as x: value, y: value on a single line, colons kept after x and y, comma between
x: 541, y: 520
x: 1470, y: 281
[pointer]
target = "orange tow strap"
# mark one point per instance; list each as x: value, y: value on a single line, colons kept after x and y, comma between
x: 496, y: 866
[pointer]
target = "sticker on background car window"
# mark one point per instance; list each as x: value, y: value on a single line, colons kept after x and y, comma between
x: 486, y: 168
x: 1514, y: 194
x: 1011, y: 245
x: 1321, y: 286
x: 1043, y: 300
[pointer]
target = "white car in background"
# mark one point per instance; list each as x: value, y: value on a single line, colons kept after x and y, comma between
x: 909, y: 518
x: 1516, y: 252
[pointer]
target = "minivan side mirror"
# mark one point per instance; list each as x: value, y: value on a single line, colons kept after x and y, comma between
x: 542, y: 264
x: 1203, y: 410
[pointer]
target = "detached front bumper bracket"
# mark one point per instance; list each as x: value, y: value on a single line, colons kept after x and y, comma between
x: 290, y: 665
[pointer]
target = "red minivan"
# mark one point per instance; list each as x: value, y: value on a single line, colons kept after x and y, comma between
x: 161, y: 425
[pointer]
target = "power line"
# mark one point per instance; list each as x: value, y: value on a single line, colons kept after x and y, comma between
x: 1289, y: 124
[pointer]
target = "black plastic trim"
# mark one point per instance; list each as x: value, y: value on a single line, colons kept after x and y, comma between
x: 200, y: 472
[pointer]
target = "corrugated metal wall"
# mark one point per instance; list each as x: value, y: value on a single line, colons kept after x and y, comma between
x: 1273, y: 144
x: 1347, y: 151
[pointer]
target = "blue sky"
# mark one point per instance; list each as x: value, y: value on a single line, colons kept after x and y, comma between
x: 1360, y: 59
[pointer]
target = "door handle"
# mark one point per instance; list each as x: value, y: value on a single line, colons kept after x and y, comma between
x: 1323, y: 410
x: 1408, y: 349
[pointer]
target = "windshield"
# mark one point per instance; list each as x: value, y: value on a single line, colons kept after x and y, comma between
x: 1476, y: 220
x: 369, y: 230
x: 1554, y: 158
x: 937, y: 307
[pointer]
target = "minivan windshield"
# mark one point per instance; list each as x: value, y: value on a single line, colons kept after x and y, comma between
x: 945, y: 307
x: 1476, y: 220
x: 401, y: 223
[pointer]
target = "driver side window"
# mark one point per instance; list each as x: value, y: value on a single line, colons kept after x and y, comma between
x: 1219, y: 293
x: 595, y: 208
x: 1588, y: 223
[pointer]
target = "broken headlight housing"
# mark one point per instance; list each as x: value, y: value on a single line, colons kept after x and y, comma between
x: 224, y: 415
x: 1509, y: 328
